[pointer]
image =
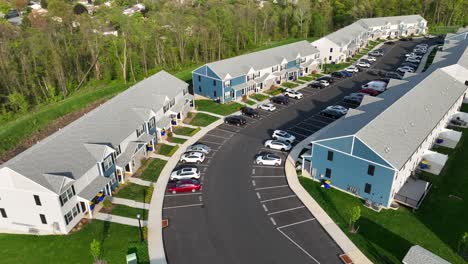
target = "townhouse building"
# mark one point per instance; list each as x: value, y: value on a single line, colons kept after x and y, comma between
x: 336, y: 47
x: 373, y: 151
x: 51, y: 186
x: 232, y: 78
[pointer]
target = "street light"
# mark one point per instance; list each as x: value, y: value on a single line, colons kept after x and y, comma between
x: 139, y: 226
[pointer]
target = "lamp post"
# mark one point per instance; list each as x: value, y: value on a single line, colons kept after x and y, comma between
x: 139, y: 226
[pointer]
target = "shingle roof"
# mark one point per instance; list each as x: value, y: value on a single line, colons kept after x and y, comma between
x: 380, y: 21
x: 420, y: 255
x: 68, y: 150
x: 241, y: 65
x: 344, y: 35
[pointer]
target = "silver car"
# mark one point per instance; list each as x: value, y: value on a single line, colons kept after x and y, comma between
x: 185, y: 173
x: 200, y: 148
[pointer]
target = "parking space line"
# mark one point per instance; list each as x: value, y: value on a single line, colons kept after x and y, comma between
x: 264, y: 166
x: 286, y: 210
x: 294, y: 132
x: 297, y: 223
x: 210, y: 142
x: 182, y: 206
x: 229, y: 131
x: 215, y: 136
x: 274, y: 150
x: 297, y: 126
x: 317, y: 120
x: 279, y: 176
x: 272, y: 221
x: 265, y: 208
x: 253, y: 183
x: 297, y: 245
x: 258, y: 195
x: 182, y: 194
x: 271, y: 187
x: 279, y: 198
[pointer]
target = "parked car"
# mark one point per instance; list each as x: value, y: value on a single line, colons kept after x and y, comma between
x: 413, y: 60
x: 192, y: 157
x: 347, y: 74
x: 375, y: 85
x: 185, y: 173
x: 411, y: 64
x: 370, y: 92
x: 278, y: 144
x: 366, y: 61
x: 352, y: 68
x: 393, y: 75
x: 280, y: 99
x: 329, y: 79
x: 325, y: 83
x: 199, y: 148
x: 267, y: 107
x: 268, y: 159
x: 330, y: 113
x: 354, y: 98
x: 283, y: 136
x: 371, y: 59
x: 420, y: 50
x: 389, y: 42
x: 423, y: 45
x: 457, y: 122
x: 341, y: 109
x: 235, y: 120
x: 338, y: 75
x: 376, y: 53
x: 405, y: 69
x: 190, y: 185
x: 249, y: 112
x: 363, y: 64
x: 293, y: 94
x: 316, y: 84
x: 385, y: 80
x: 412, y: 55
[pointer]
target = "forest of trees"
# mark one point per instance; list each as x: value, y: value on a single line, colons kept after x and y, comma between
x: 50, y: 57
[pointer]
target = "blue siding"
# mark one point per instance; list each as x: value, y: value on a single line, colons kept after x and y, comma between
x: 207, y: 87
x: 348, y: 171
x: 362, y: 151
x: 201, y: 70
x: 238, y: 80
x: 292, y: 64
x: 110, y: 171
x: 211, y: 73
x: 239, y: 93
x: 342, y: 144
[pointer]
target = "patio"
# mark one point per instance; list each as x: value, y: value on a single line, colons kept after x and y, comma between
x: 412, y: 193
x: 433, y: 162
x: 461, y: 116
x: 448, y: 138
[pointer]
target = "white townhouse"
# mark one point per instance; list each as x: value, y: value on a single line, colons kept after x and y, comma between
x: 343, y: 43
x: 51, y: 186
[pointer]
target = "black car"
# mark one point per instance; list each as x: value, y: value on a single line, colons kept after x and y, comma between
x: 316, y: 84
x: 235, y: 120
x: 280, y: 99
x: 393, y: 75
x: 407, y: 63
x: 354, y: 100
x: 249, y: 112
x: 338, y: 74
x: 389, y: 42
x: 330, y: 113
x: 326, y: 78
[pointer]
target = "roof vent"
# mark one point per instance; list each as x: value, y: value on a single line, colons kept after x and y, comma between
x: 412, y: 123
x: 387, y: 149
x: 405, y: 131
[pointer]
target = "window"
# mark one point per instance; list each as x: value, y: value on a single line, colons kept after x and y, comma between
x: 214, y: 82
x: 165, y: 108
x: 68, y: 217
x: 118, y: 150
x: 214, y: 93
x: 151, y: 124
x: 328, y: 173
x: 256, y: 75
x: 330, y: 155
x: 227, y: 83
x: 330, y: 58
x: 370, y: 170
x: 331, y: 49
x: 199, y: 78
x: 317, y: 56
x: 274, y: 68
x: 3, y: 213
x: 112, y: 180
x: 67, y: 195
x: 172, y: 102
x: 43, y: 219
x: 368, y: 188
x: 184, y: 91
x: 140, y: 130
x: 37, y: 200
x: 199, y: 88
x: 107, y: 163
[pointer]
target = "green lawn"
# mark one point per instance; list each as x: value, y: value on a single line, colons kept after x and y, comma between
x: 166, y: 150
x: 151, y: 173
x: 201, y: 119
x: 133, y: 192
x: 220, y: 109
x: 259, y: 97
x: 250, y: 102
x: 306, y: 78
x: 464, y: 108
x: 329, y: 68
x: 176, y: 140
x: 430, y: 58
x: 275, y: 91
x: 442, y: 30
x: 127, y: 211
x: 385, y: 237
x: 289, y: 84
x: 116, y: 242
x: 185, y: 131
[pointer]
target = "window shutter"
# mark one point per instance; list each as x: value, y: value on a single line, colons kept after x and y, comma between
x: 73, y: 190
x: 61, y: 201
x: 66, y: 219
x: 102, y: 166
x: 78, y: 207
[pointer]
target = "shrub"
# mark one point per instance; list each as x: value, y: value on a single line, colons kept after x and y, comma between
x: 107, y: 203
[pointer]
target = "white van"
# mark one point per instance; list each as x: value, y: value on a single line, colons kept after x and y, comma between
x: 375, y: 85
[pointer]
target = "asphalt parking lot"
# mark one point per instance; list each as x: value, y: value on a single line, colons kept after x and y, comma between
x: 246, y: 213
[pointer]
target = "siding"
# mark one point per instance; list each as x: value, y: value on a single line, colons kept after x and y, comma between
x: 238, y: 80
x: 207, y: 87
x: 201, y: 70
x: 342, y: 144
x: 292, y: 64
x: 211, y: 73
x: 362, y: 151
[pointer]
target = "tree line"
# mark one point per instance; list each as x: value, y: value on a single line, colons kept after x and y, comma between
x: 51, y: 56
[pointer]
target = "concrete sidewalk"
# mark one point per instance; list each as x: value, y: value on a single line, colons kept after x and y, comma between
x: 322, y: 217
x: 208, y: 113
x: 118, y: 219
x: 139, y: 181
x: 128, y: 202
x: 181, y: 136
x: 158, y: 156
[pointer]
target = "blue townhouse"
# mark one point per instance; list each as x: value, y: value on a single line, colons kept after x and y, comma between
x: 232, y: 78
x: 373, y: 151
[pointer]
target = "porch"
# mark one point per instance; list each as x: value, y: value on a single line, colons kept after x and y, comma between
x: 432, y: 162
x: 179, y: 110
x: 92, y: 196
x: 129, y: 160
x: 412, y: 193
x: 448, y: 138
x: 289, y: 74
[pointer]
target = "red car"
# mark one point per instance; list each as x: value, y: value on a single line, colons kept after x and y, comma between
x: 370, y: 92
x: 188, y: 185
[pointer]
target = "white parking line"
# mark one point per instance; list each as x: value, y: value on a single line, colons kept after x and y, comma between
x: 286, y: 210
x: 265, y: 166
x: 182, y: 194
x: 274, y: 150
x: 182, y: 206
x: 279, y: 176
x: 215, y: 136
x: 210, y: 142
x: 294, y: 132
x: 253, y: 171
x: 297, y: 126
x: 253, y: 183
x: 200, y: 198
x: 297, y: 245
x: 279, y: 198
x: 258, y: 195
x: 271, y: 187
x: 273, y: 221
x: 265, y: 208
x: 297, y: 223
x: 317, y: 120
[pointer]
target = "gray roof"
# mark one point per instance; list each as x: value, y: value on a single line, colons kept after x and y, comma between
x: 241, y: 65
x: 380, y: 21
x: 74, y: 149
x: 419, y: 255
x: 395, y: 126
x: 90, y: 191
x: 343, y: 36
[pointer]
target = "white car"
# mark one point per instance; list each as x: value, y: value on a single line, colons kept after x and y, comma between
x: 199, y: 148
x: 192, y: 157
x: 293, y: 94
x: 268, y: 159
x: 325, y: 83
x: 420, y: 50
x: 352, y: 68
x: 412, y: 55
x: 185, y: 173
x: 405, y: 69
x: 412, y: 60
x: 277, y: 144
x: 422, y: 45
x: 363, y: 64
x: 283, y: 136
x: 370, y: 58
x: 341, y: 109
x: 267, y: 107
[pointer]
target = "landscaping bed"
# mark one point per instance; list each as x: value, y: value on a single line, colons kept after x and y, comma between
x: 274, y: 91
x: 259, y: 97
x: 152, y: 172
x: 250, y: 102
x: 329, y: 68
x: 164, y: 149
x: 289, y: 84
x: 126, y: 211
x: 134, y: 192
x: 200, y: 119
x: 217, y: 108
x: 185, y: 131
x: 306, y: 78
x: 176, y: 140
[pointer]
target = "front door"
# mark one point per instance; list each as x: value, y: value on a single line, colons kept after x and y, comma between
x: 83, y: 206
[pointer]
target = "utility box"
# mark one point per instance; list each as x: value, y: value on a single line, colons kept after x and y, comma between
x: 132, y: 258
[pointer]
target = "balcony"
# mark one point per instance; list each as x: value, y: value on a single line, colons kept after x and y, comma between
x: 413, y: 192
